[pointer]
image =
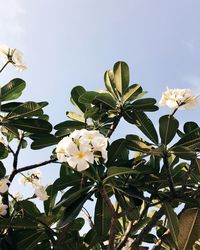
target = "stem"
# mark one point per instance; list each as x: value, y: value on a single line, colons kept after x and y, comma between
x: 19, y: 170
x: 110, y: 206
x: 169, y: 175
x: 16, y: 154
x: 174, y: 111
x: 4, y: 66
x: 138, y: 240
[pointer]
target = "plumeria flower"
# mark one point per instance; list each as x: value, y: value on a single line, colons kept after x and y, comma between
x: 4, y: 184
x: 80, y: 157
x: 13, y: 56
x: 79, y: 148
x: 3, y: 209
x: 18, y: 196
x: 32, y: 178
x: 41, y: 193
x: 178, y: 98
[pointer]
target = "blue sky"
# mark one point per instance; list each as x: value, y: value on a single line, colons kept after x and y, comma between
x: 67, y: 43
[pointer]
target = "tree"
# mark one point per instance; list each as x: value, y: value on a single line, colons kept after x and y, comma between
x: 144, y: 189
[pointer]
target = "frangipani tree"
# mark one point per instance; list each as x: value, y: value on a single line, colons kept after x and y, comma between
x: 144, y: 190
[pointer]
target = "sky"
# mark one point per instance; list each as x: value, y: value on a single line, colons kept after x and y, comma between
x: 68, y: 43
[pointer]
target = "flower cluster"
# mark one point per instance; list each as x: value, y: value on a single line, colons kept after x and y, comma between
x: 80, y: 148
x: 34, y: 179
x: 13, y: 56
x: 178, y: 98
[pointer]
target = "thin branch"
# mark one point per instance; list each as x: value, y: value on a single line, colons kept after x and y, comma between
x: 138, y: 240
x: 19, y: 170
x: 16, y: 154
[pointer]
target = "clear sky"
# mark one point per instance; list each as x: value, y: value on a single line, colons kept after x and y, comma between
x: 66, y: 43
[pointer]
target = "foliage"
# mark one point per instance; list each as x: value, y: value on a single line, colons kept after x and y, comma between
x: 139, y: 188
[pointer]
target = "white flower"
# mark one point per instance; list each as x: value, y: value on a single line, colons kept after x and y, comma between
x: 41, y: 193
x: 80, y: 157
x: 3, y: 209
x: 32, y: 178
x: 18, y: 196
x: 4, y: 185
x: 178, y: 98
x: 79, y: 147
x: 14, y: 56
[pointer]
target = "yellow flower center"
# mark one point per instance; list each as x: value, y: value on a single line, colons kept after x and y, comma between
x: 80, y: 155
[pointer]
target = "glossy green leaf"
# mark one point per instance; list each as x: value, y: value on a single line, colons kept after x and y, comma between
x: 72, y: 211
x: 2, y: 149
x: 168, y: 128
x: 69, y: 124
x: 191, y: 140
x: 50, y: 202
x: 18, y: 223
x: 114, y: 150
x: 121, y: 76
x: 91, y: 238
x: 183, y: 152
x: 132, y: 92
x: 2, y: 170
x: 109, y: 82
x: 32, y: 125
x: 106, y: 99
x: 12, y: 130
x: 145, y: 104
x: 141, y: 120
x: 102, y: 218
x: 189, y: 228
x: 88, y: 97
x: 116, y: 171
x: 76, y: 117
x: 75, y: 95
x: 173, y: 222
x: 45, y: 141
x: 189, y: 127
x: 30, y: 241
x: 8, y: 107
x: 197, y: 164
x: 66, y: 181
x: 26, y: 109
x: 12, y: 90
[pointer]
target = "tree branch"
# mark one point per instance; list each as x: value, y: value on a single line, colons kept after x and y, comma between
x: 19, y: 170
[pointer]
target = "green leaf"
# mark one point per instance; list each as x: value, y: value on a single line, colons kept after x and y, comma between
x: 191, y: 140
x: 183, y: 152
x: 91, y: 238
x: 132, y: 92
x: 109, y: 82
x: 44, y: 141
x: 106, y: 99
x: 12, y: 90
x: 173, y: 222
x: 141, y: 120
x: 88, y: 97
x: 2, y: 149
x: 76, y: 117
x: 189, y: 231
x: 197, y: 164
x: 69, y: 125
x: 75, y: 95
x: 116, y: 171
x: 102, y: 218
x: 168, y: 128
x: 31, y: 240
x: 74, y: 209
x: 2, y: 170
x: 25, y: 110
x: 66, y: 181
x: 145, y: 104
x: 50, y: 202
x: 190, y: 126
x: 137, y: 144
x: 18, y: 223
x: 115, y: 150
x: 121, y: 76
x: 32, y: 125
x: 8, y: 107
